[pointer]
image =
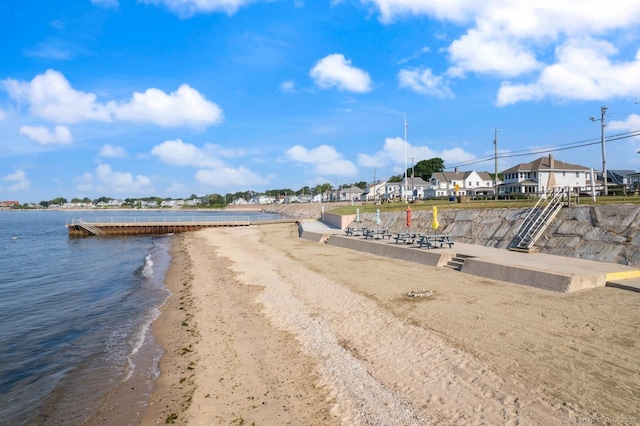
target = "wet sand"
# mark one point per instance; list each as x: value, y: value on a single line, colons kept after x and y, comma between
x: 268, y: 328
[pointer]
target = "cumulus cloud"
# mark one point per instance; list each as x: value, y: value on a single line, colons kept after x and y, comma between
x: 107, y: 181
x: 61, y: 135
x: 17, y: 181
x: 51, y: 96
x: 393, y: 153
x: 110, y: 151
x: 324, y: 160
x: 188, y: 8
x: 583, y: 71
x: 515, y: 40
x: 184, y: 107
x: 228, y: 177
x: 178, y: 153
x: 424, y: 82
x: 212, y: 171
x: 336, y: 71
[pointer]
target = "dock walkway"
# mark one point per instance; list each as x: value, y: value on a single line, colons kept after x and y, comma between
x: 159, y: 225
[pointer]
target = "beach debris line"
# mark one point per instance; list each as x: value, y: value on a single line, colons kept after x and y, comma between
x: 420, y: 293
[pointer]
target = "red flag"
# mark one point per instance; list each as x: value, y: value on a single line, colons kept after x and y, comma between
x: 408, y: 216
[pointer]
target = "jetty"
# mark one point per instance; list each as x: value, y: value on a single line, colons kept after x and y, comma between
x: 160, y: 225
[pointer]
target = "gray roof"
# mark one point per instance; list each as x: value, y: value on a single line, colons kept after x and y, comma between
x: 544, y: 164
x: 451, y: 176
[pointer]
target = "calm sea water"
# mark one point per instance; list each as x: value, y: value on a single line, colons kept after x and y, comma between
x: 74, y: 316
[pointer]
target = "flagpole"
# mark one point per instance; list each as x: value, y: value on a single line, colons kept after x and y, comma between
x: 404, y: 191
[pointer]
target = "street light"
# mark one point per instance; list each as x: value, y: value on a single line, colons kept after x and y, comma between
x: 603, y: 111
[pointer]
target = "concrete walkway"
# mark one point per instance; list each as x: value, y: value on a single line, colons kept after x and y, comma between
x: 556, y: 273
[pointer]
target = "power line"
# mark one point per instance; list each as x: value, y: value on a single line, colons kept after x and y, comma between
x: 544, y: 150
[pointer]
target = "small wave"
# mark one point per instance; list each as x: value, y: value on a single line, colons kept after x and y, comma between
x: 147, y: 271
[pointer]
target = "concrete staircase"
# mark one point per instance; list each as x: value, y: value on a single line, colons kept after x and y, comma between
x: 457, y: 262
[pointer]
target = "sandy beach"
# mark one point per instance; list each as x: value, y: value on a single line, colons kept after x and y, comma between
x: 266, y: 328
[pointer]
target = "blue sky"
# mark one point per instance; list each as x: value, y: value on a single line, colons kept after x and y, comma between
x: 126, y: 98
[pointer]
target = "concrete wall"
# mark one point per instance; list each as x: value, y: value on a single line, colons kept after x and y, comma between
x: 609, y: 233
x: 338, y: 220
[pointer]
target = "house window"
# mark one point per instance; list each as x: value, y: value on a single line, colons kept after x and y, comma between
x: 564, y: 174
x: 577, y: 174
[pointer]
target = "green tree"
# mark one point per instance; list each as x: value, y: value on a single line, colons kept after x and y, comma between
x: 425, y: 168
x: 58, y: 201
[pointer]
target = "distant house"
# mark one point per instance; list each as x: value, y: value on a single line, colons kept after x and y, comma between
x: 9, y: 204
x: 471, y: 183
x: 374, y: 191
x: 545, y: 172
x: 619, y: 177
x: 416, y: 187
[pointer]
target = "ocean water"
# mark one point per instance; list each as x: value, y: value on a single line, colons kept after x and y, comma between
x: 75, y: 316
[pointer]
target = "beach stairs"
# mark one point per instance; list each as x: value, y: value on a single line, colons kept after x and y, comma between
x: 538, y: 219
x: 91, y: 229
x: 457, y: 262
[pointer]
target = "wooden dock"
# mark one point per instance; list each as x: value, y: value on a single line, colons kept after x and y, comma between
x: 132, y: 225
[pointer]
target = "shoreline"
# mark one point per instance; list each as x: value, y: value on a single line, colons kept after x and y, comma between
x: 478, y: 350
x: 176, y: 335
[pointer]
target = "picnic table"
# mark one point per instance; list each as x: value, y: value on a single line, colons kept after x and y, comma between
x: 406, y: 237
x: 352, y: 231
x: 377, y: 234
x: 431, y: 240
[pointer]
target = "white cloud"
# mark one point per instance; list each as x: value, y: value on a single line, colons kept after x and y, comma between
x: 514, y: 39
x: 393, y: 153
x: 51, y: 96
x: 632, y: 123
x: 17, y: 181
x: 336, y: 71
x: 188, y: 8
x: 323, y: 159
x: 184, y: 107
x: 487, y: 54
x: 424, y: 82
x: 228, y: 177
x: 60, y: 135
x: 107, y: 181
x: 583, y: 71
x: 2, y: 115
x: 288, y: 86
x: 178, y: 153
x: 110, y: 151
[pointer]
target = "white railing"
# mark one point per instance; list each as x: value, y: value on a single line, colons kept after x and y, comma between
x: 153, y: 220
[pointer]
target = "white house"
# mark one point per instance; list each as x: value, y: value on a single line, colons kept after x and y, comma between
x: 416, y: 187
x: 545, y: 172
x: 448, y: 184
x: 374, y: 191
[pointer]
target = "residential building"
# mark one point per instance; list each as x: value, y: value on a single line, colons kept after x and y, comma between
x: 374, y: 191
x: 545, y: 172
x: 469, y: 183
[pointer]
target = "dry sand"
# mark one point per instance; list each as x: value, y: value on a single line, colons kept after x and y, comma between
x: 265, y: 328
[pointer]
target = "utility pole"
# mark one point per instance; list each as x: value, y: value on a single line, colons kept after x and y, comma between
x: 495, y: 157
x: 603, y: 111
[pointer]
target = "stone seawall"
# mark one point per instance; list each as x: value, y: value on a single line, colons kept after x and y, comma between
x: 608, y: 233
